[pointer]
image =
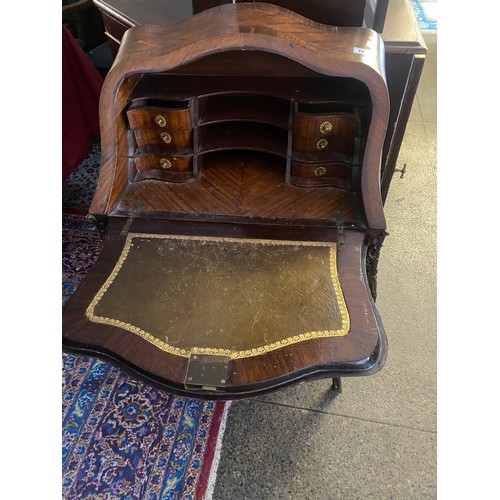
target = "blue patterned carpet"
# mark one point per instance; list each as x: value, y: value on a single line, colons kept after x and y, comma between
x: 425, y: 14
x: 120, y: 437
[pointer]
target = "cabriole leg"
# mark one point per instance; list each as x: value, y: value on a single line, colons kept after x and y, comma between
x: 336, y: 385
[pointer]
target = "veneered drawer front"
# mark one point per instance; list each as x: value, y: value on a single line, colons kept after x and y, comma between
x: 337, y: 174
x: 325, y: 132
x: 164, y: 137
x: 171, y: 163
x: 158, y: 118
x: 169, y: 168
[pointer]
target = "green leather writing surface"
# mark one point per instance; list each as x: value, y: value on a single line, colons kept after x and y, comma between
x: 223, y: 296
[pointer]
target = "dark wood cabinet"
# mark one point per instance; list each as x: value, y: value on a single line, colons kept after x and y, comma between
x: 367, y: 13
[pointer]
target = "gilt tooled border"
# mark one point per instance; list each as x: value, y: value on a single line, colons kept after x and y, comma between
x: 164, y: 346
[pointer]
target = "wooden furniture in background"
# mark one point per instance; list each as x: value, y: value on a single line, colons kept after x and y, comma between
x: 83, y: 20
x: 354, y: 13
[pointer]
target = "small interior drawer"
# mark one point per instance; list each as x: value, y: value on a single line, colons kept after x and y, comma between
x: 171, y: 116
x: 338, y: 174
x: 325, y: 132
x: 164, y: 137
x: 166, y: 163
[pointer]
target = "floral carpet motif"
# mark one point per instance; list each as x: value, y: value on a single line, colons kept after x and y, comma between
x: 81, y: 244
x: 122, y: 438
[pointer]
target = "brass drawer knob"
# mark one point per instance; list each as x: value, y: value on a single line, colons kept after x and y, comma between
x: 325, y: 127
x: 160, y: 120
x: 165, y: 137
x: 165, y: 163
x: 318, y: 172
x: 322, y: 144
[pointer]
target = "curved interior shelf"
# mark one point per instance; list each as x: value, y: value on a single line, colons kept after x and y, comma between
x: 165, y: 103
x: 243, y: 136
x: 252, y: 108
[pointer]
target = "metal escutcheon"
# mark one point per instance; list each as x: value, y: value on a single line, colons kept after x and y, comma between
x: 318, y: 172
x: 165, y: 163
x: 322, y: 144
x: 160, y: 120
x: 165, y: 137
x: 325, y: 127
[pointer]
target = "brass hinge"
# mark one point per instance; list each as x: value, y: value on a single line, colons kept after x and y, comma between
x: 340, y: 229
x: 207, y: 372
x: 126, y: 227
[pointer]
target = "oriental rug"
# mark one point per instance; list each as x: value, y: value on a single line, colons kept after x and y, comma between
x: 122, y: 438
x: 426, y: 14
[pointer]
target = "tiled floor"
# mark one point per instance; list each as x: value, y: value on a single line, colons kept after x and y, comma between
x: 377, y: 440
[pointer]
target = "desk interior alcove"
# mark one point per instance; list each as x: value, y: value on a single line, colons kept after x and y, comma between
x: 260, y: 141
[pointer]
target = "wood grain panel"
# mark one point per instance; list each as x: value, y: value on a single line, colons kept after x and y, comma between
x: 146, y: 162
x: 242, y: 185
x: 143, y: 116
x: 337, y: 130
x: 337, y: 174
x: 167, y: 137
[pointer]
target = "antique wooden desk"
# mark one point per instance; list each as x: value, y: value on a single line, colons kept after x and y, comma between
x: 404, y: 46
x: 240, y: 179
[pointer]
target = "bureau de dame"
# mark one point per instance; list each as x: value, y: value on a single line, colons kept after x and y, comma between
x: 240, y: 190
